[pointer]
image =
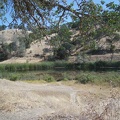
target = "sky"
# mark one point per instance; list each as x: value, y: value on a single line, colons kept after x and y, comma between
x: 69, y: 1
x: 107, y: 1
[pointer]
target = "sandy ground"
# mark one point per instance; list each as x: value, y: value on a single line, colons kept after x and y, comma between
x: 21, y: 60
x: 57, y: 101
x: 31, y: 59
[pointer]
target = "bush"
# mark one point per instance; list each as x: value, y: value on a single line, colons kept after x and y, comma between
x: 61, y: 53
x: 85, y: 78
x: 65, y: 77
x: 48, y: 78
x: 106, y: 65
x: 13, y: 77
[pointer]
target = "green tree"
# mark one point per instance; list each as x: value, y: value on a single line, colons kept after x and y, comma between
x: 61, y: 43
x: 92, y: 20
x: 4, y: 52
x: 2, y: 27
x: 42, y: 12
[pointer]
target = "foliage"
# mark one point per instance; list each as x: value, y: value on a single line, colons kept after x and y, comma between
x: 2, y: 27
x: 84, y: 78
x: 99, y: 78
x: 36, y: 34
x: 48, y: 78
x: 61, y: 43
x: 93, y: 21
x: 3, y: 56
x: 4, y: 52
x: 13, y: 77
x: 87, y: 14
x: 61, y: 65
x: 63, y: 36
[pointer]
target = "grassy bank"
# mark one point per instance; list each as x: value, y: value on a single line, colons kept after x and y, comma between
x: 98, y: 78
x: 100, y: 72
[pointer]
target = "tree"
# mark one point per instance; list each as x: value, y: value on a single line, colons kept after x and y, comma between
x: 61, y: 43
x: 2, y: 27
x: 92, y: 21
x: 38, y: 11
x: 41, y: 13
x: 4, y: 52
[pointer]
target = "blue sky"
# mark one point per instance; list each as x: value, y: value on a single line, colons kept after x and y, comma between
x: 107, y: 1
x: 69, y: 1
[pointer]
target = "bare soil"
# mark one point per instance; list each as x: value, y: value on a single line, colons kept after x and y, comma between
x: 58, y: 101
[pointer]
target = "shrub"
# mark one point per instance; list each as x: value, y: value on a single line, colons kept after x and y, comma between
x: 85, y: 78
x: 68, y: 76
x: 48, y: 78
x: 13, y: 77
x: 65, y: 77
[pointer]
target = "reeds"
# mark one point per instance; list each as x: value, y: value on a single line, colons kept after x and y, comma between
x: 61, y: 65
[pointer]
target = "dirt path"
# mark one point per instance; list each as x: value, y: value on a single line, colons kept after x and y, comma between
x: 26, y: 101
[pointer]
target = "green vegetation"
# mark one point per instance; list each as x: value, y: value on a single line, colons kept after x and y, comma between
x: 94, y: 24
x: 90, y: 22
x: 85, y: 78
x: 63, y: 71
x: 4, y: 51
x: 48, y: 78
x: 61, y: 43
x: 98, y: 78
x: 61, y: 65
x: 13, y: 77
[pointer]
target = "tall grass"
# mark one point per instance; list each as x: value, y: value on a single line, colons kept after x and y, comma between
x: 29, y: 71
x: 26, y: 67
x: 61, y: 65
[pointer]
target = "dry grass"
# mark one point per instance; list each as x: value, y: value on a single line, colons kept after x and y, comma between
x: 61, y: 101
x: 37, y: 47
x: 35, y: 81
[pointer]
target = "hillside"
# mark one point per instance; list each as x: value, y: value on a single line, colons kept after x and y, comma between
x: 40, y: 49
x: 10, y: 35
